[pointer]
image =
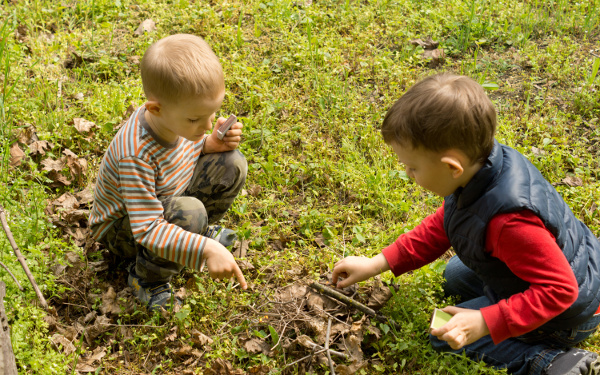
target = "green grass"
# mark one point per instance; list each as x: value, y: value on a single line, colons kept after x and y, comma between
x: 311, y: 82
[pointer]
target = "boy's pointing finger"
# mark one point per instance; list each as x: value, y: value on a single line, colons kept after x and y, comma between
x: 240, y: 277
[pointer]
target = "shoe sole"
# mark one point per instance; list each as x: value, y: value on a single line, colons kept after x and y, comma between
x: 595, y: 367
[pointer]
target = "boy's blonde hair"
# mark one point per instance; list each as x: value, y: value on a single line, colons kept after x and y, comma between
x: 443, y: 112
x: 181, y: 66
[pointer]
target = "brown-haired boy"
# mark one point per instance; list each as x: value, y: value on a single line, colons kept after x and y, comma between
x: 526, y: 269
x: 162, y: 180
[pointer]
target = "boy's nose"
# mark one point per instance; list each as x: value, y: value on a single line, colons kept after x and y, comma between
x: 410, y: 173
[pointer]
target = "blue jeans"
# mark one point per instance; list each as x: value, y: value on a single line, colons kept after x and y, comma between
x: 528, y: 354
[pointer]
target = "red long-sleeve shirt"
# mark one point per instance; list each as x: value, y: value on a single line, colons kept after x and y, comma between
x: 523, y: 243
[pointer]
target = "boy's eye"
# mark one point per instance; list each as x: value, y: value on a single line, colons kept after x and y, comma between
x: 193, y: 120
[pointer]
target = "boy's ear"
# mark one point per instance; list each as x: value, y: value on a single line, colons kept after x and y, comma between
x: 454, y: 163
x: 153, y: 107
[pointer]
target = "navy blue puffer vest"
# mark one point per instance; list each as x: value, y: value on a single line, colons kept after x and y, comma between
x: 508, y: 182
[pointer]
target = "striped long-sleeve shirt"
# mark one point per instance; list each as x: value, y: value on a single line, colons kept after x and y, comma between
x: 136, y: 169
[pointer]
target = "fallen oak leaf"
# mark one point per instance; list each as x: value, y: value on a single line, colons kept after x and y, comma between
x: 427, y: 44
x: 146, y: 26
x: 16, y: 155
x: 572, y: 181
x: 83, y: 125
x: 39, y: 147
x: 52, y: 165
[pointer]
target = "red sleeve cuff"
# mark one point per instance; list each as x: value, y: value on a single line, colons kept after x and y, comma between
x: 398, y: 263
x: 497, y: 326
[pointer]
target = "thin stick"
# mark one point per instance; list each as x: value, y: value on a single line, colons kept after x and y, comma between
x: 327, y: 346
x: 353, y: 303
x: 334, y: 352
x: 348, y: 301
x: 21, y: 259
x: 13, y: 276
x: 303, y: 358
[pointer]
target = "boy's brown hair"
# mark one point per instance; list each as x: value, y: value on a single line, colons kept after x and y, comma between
x: 443, y: 112
x: 181, y: 66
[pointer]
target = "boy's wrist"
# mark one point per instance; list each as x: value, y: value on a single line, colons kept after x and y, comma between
x: 380, y: 264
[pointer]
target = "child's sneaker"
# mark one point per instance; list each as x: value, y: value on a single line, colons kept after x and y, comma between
x: 154, y: 295
x: 224, y: 236
x: 574, y: 362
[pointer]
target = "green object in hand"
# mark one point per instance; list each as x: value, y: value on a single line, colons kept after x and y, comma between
x: 439, y: 318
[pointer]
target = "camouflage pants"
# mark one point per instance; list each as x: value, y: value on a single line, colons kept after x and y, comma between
x: 217, y: 180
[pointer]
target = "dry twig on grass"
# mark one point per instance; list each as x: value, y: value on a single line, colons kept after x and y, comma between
x: 13, y: 276
x: 350, y: 302
x: 21, y: 259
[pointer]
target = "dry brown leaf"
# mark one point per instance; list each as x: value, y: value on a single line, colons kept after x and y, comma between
x: 353, y: 346
x: 85, y: 196
x: 89, y: 317
x: 255, y: 346
x: 66, y: 201
x: 183, y: 351
x: 60, y: 342
x: 146, y: 26
x: 245, y: 265
x: 172, y: 335
x: 52, y: 165
x: 78, y: 235
x: 572, y: 181
x: 75, y: 217
x: 59, y: 179
x: 350, y: 370
x: 98, y: 266
x: 27, y: 135
x: 255, y: 190
x: 16, y: 155
x: 181, y: 293
x: 223, y: 367
x: 305, y: 341
x: 436, y: 57
x: 379, y: 296
x: 126, y: 332
x: 259, y: 370
x: 70, y: 332
x: 291, y: 292
x: 21, y: 33
x: 427, y: 44
x: 83, y: 125
x: 85, y: 368
x: 100, y: 326
x: 78, y: 166
x: 315, y: 302
x: 110, y: 305
x: 39, y: 147
x: 97, y: 354
x: 320, y: 240
x: 240, y: 249
x: 318, y: 327
x: 200, y: 339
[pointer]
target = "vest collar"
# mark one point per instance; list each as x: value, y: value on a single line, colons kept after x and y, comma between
x: 482, y: 180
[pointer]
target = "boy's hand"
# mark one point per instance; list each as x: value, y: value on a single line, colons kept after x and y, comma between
x: 221, y: 264
x: 230, y: 142
x: 464, y: 328
x: 355, y: 269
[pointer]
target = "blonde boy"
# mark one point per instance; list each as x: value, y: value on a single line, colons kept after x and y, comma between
x: 527, y: 270
x: 163, y: 180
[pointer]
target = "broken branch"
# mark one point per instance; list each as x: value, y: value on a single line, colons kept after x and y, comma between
x: 21, y: 259
x: 8, y: 364
x: 13, y: 276
x: 327, y: 347
x: 350, y: 302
